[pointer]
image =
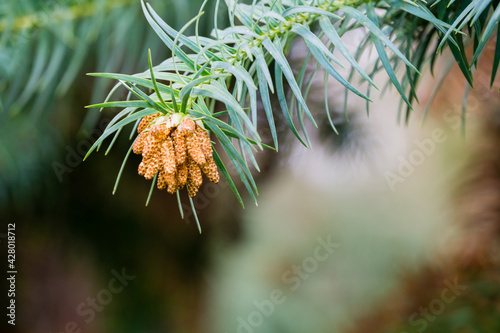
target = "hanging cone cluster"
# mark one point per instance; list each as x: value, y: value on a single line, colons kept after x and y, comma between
x: 177, y: 149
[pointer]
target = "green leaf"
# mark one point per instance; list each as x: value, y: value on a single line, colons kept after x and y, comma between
x: 165, y: 38
x: 237, y: 161
x: 195, y: 214
x: 331, y: 70
x: 132, y: 80
x: 239, y: 31
x: 173, y: 33
x: 186, y: 91
x: 216, y: 91
x: 308, y: 9
x: 457, y: 21
x: 179, y: 34
x: 155, y: 85
x: 224, y: 126
x: 123, y: 104
x: 496, y: 58
x: 282, y: 100
x: 166, y: 76
x: 287, y: 71
x: 140, y: 94
x: 123, y: 113
x: 232, y: 135
x: 264, y: 93
x: 122, y: 167
x: 375, y: 30
x: 272, y: 15
x: 437, y: 86
x: 384, y: 59
x: 111, y: 92
x: 424, y: 13
x: 461, y: 59
x: 327, y: 105
x: 134, y: 129
x: 153, y: 183
x: 216, y: 43
x: 312, y: 39
x: 494, y: 20
x: 227, y: 176
x: 233, y: 154
x: 241, y: 74
x: 174, y: 101
x: 262, y: 64
x: 113, y: 141
x: 181, y: 210
x: 243, y: 17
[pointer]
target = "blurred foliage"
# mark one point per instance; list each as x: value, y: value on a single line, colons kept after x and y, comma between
x: 473, y: 306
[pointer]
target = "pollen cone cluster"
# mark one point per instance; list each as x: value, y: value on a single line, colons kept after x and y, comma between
x: 179, y: 151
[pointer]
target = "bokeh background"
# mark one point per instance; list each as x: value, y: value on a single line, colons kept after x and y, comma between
x: 397, y: 243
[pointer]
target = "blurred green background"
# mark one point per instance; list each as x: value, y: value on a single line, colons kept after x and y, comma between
x: 74, y: 236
